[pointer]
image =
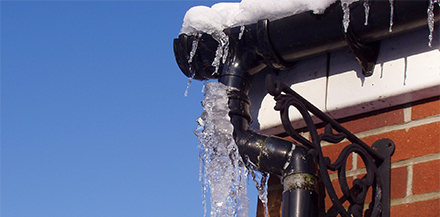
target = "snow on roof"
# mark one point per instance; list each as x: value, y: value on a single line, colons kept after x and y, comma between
x: 224, y: 15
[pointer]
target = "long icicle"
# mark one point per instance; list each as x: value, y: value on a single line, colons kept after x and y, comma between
x: 430, y: 19
x: 391, y: 15
x: 195, y: 44
x: 346, y: 17
x: 367, y: 11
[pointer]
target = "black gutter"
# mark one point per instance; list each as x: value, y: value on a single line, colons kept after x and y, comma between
x: 304, y: 35
x: 282, y: 42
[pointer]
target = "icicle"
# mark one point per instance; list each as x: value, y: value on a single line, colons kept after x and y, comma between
x: 262, y: 189
x: 367, y: 11
x: 242, y: 200
x: 221, y: 54
x: 242, y: 28
x: 391, y: 15
x: 202, y: 156
x: 346, y: 17
x: 195, y: 44
x: 222, y: 169
x: 430, y: 12
x: 204, y: 85
x: 190, y: 79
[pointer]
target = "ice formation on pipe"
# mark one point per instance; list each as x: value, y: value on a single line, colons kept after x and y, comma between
x: 346, y: 17
x: 221, y: 53
x: 195, y: 44
x: 345, y: 4
x: 367, y: 11
x: 430, y: 12
x: 222, y: 169
x: 391, y: 15
x: 262, y: 185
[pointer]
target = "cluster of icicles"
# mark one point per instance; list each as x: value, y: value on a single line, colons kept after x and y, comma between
x: 222, y: 170
x: 223, y: 39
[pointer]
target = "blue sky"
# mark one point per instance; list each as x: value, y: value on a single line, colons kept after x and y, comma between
x: 94, y: 121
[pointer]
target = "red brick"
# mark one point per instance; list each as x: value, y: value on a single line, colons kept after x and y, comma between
x: 426, y: 177
x: 333, y: 151
x: 425, y: 109
x: 399, y: 180
x: 424, y: 208
x: 418, y: 141
x: 336, y: 186
x: 374, y: 121
x: 274, y: 196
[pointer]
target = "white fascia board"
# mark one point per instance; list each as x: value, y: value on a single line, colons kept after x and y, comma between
x: 307, y: 77
x: 407, y: 70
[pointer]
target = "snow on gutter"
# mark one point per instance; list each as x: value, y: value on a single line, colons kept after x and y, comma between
x: 225, y: 15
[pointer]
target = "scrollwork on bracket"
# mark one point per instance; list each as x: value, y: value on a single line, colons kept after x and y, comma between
x: 376, y: 158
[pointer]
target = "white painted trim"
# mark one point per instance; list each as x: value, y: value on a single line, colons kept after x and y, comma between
x: 407, y: 70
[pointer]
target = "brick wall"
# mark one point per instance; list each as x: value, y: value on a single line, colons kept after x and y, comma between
x: 415, y: 175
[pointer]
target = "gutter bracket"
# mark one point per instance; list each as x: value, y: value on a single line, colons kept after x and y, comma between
x: 365, y: 53
x: 376, y: 158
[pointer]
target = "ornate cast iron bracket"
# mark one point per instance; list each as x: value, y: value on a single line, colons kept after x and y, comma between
x: 377, y: 158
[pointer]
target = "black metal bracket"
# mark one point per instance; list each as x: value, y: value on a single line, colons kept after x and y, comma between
x: 377, y: 158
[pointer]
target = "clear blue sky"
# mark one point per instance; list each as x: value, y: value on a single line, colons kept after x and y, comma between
x: 94, y: 121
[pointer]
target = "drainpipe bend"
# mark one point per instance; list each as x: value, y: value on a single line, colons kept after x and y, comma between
x: 272, y: 154
x: 247, y: 57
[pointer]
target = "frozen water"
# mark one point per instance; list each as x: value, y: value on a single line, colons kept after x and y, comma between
x: 212, y: 20
x: 346, y: 9
x: 430, y: 12
x: 224, y: 15
x: 195, y: 44
x: 346, y: 17
x: 222, y: 51
x: 391, y: 15
x: 367, y: 11
x: 190, y: 79
x: 262, y: 186
x: 222, y: 171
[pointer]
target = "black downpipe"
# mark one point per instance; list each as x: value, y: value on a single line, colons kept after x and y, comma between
x: 268, y: 153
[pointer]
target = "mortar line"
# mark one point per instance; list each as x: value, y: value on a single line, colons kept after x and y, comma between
x: 407, y: 113
x: 416, y: 198
x: 403, y: 163
x: 401, y: 126
x: 409, y: 182
x: 354, y: 161
x: 395, y: 127
x: 416, y: 160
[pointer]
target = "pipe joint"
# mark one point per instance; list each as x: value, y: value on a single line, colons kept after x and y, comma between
x: 300, y: 181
